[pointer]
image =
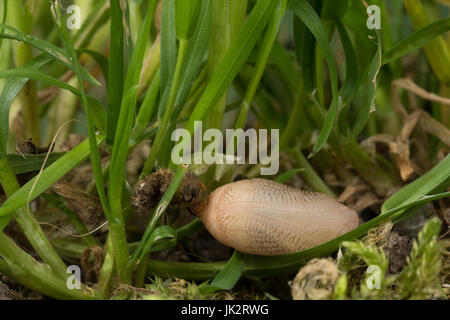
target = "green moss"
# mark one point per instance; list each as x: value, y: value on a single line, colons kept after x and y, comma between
x: 420, y: 278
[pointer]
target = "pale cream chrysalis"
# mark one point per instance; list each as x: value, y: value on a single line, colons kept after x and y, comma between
x: 264, y: 217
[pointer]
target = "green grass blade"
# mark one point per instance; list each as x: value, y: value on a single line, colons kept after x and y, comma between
x: 129, y: 47
x: 157, y: 213
x: 32, y: 162
x: 437, y: 50
x: 148, y: 106
x: 100, y: 59
x: 305, y: 45
x: 310, y: 18
x: 87, y: 35
x: 59, y: 203
x: 46, y: 47
x: 233, y: 61
x: 23, y: 268
x: 438, y: 178
x: 168, y: 45
x: 287, y: 69
x: 227, y: 18
x: 261, y: 64
x: 127, y: 110
x: 219, y: 83
x: 417, y: 40
x: 11, y: 89
x: 230, y: 274
x: 89, y: 21
x: 363, y: 113
x: 355, y: 19
x: 29, y: 73
x: 98, y: 116
x: 116, y: 70
x: 186, y: 13
x: 195, y: 52
x: 136, y: 61
x: 60, y: 23
x: 350, y: 86
x: 163, y: 237
x: 285, y: 176
x: 334, y: 10
x: 5, y: 14
x: 351, y: 82
x: 184, y: 270
x: 119, y: 155
x: 48, y: 177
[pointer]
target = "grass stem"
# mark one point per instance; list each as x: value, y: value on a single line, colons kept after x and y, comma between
x: 30, y: 226
x: 165, y: 122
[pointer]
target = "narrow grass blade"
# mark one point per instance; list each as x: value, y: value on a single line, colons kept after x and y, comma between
x: 119, y: 155
x: 168, y: 44
x: 89, y: 21
x: 287, y: 69
x: 437, y: 179
x: 186, y: 14
x: 48, y: 177
x: 282, y: 178
x: 60, y: 23
x: 116, y: 70
x: 157, y: 213
x: 194, y: 56
x: 31, y: 162
x: 230, y: 274
x: 148, y: 106
x: 129, y: 47
x: 437, y: 50
x: 163, y: 237
x: 97, y: 110
x: 127, y: 114
x: 364, y: 111
x: 233, y: 61
x: 5, y: 14
x: 305, y: 48
x: 217, y: 86
x: 22, y: 267
x: 310, y: 18
x: 120, y: 148
x: 351, y: 82
x: 31, y: 73
x: 11, y: 89
x: 46, y: 47
x: 350, y: 86
x: 261, y: 64
x: 334, y: 10
x: 101, y: 60
x: 59, y: 203
x: 227, y: 18
x: 417, y: 40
